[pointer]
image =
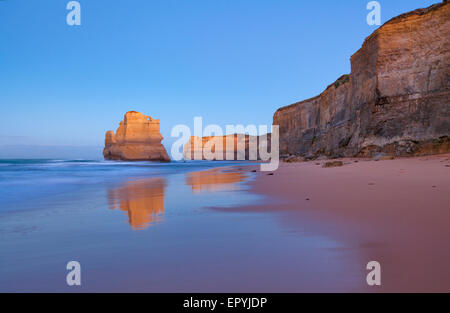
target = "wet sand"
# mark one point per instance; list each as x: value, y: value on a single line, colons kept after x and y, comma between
x: 396, y: 212
x: 303, y: 229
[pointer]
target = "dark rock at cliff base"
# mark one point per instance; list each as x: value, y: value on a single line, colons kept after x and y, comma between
x: 294, y: 159
x: 383, y: 156
x: 333, y: 164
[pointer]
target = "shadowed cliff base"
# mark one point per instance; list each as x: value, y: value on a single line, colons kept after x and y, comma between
x: 395, y: 100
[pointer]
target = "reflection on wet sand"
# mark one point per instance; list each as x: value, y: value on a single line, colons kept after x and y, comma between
x: 214, y: 180
x: 143, y: 200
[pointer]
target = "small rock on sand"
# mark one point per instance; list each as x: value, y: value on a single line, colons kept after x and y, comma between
x: 382, y: 156
x: 333, y: 164
x: 293, y: 159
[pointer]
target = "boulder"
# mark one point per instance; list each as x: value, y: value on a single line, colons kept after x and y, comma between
x: 333, y: 164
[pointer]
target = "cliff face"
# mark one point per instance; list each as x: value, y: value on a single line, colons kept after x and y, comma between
x: 137, y: 138
x: 396, y: 99
x: 239, y: 147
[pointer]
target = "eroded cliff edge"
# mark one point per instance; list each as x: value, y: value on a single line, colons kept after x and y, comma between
x: 138, y: 138
x: 396, y: 99
x: 228, y: 147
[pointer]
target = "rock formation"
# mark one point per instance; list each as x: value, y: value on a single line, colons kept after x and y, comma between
x: 239, y: 147
x: 137, y: 139
x: 395, y: 101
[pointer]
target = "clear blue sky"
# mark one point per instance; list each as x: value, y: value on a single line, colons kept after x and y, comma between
x: 229, y: 61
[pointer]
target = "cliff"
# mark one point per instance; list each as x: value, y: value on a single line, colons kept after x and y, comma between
x: 137, y: 139
x: 395, y: 100
x: 239, y: 147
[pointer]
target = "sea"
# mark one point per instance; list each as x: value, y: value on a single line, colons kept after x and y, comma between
x: 147, y: 227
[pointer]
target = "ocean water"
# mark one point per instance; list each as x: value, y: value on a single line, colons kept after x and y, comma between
x: 25, y: 183
x: 144, y: 226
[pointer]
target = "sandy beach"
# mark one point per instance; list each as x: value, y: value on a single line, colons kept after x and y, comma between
x: 395, y: 212
x: 222, y: 227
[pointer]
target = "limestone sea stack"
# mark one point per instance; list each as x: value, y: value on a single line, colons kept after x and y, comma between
x: 396, y: 99
x: 137, y: 139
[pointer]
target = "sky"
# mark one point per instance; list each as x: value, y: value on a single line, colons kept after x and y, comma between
x: 228, y: 61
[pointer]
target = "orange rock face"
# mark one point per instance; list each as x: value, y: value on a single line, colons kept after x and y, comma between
x: 396, y: 99
x: 137, y: 139
x: 238, y: 147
